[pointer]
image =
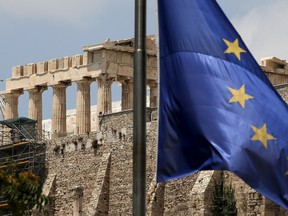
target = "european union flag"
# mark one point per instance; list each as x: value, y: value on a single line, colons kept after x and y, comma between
x: 217, y: 108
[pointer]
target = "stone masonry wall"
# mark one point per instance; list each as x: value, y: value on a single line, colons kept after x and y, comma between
x: 101, y: 163
x: 75, y: 162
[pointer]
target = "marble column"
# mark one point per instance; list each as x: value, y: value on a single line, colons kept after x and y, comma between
x: 59, y: 111
x: 11, y: 104
x: 127, y: 94
x: 153, y: 93
x: 83, y: 107
x: 104, y: 102
x: 35, y: 106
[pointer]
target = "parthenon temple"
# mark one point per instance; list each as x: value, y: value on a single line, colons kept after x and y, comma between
x: 103, y: 63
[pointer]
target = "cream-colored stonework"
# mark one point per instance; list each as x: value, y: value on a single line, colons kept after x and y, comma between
x: 276, y: 70
x: 71, y: 120
x: 105, y: 63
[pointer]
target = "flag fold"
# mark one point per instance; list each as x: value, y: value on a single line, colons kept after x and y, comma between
x: 217, y: 109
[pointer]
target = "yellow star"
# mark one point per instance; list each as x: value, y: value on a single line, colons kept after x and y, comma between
x: 262, y: 135
x: 234, y: 48
x: 239, y: 95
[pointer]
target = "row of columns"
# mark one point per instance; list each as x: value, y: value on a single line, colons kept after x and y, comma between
x: 83, y: 104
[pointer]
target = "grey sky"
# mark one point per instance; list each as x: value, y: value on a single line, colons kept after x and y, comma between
x: 37, y: 30
x: 262, y: 25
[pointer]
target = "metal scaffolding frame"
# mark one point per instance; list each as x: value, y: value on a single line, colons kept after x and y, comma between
x: 23, y: 147
x: 2, y: 105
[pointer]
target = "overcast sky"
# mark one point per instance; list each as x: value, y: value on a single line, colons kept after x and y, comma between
x: 37, y: 30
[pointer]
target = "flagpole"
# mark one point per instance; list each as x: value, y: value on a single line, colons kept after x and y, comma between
x: 139, y: 113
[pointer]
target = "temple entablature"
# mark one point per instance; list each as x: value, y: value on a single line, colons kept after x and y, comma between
x: 275, y: 69
x: 113, y: 58
x: 274, y: 63
x: 101, y: 64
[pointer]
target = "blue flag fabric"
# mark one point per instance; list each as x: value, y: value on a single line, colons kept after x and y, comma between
x: 218, y: 110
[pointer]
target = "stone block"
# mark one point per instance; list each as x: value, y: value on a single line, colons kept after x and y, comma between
x: 270, y: 63
x: 99, y: 56
x: 61, y: 63
x: 77, y: 60
x: 17, y: 71
x: 152, y: 61
x: 118, y: 57
x: 112, y: 69
x: 263, y: 62
x: 42, y: 67
x: 124, y: 70
x: 285, y: 71
x: 34, y: 68
x: 85, y: 58
x: 280, y: 71
x: 267, y: 69
x: 29, y: 69
x: 53, y: 65
x: 127, y: 58
x: 277, y: 79
x: 67, y: 62
x: 112, y: 56
x: 151, y: 44
x: 25, y: 70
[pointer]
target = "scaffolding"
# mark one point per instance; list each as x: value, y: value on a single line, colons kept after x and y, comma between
x: 24, y: 147
x: 2, y: 105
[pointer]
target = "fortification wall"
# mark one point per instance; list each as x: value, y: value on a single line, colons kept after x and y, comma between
x: 101, y: 163
x: 74, y: 162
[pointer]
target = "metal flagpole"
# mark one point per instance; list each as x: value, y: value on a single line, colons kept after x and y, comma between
x: 139, y: 113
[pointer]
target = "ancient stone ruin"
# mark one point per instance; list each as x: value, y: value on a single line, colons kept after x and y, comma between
x: 90, y: 172
x: 103, y: 63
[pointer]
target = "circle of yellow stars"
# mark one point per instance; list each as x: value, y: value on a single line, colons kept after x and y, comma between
x: 240, y: 96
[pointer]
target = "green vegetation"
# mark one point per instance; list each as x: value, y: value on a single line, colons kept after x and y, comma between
x: 22, y: 191
x: 223, y: 199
